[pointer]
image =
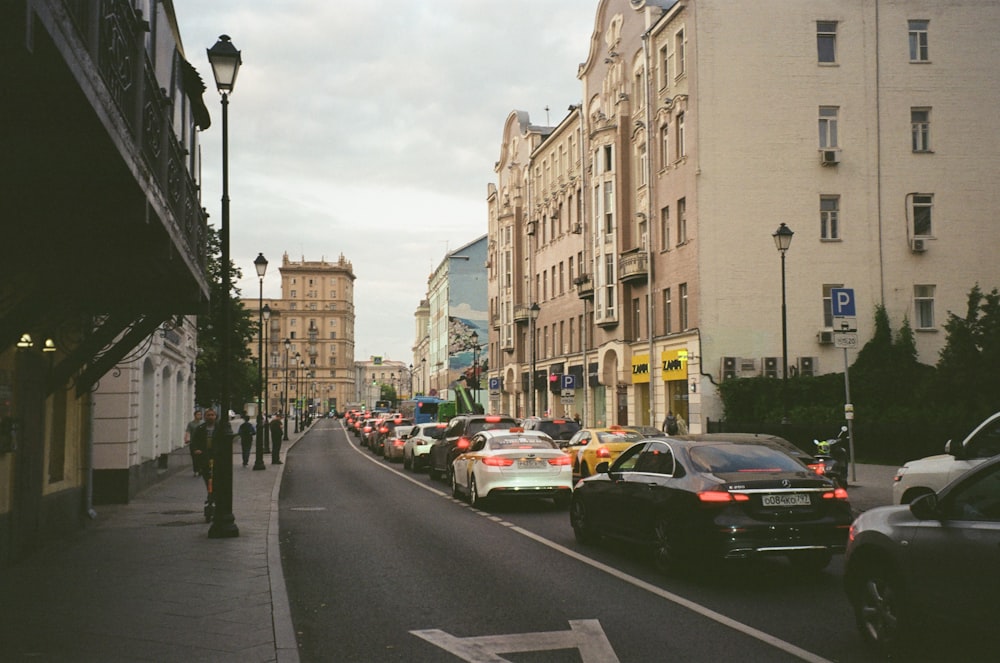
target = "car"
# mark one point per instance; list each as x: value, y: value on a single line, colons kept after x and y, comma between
x: 384, y: 433
x: 648, y: 431
x: 512, y: 463
x: 691, y: 501
x: 555, y: 427
x: 581, y: 439
x: 419, y: 443
x: 365, y: 431
x: 928, y: 569
x: 392, y: 443
x: 603, y: 444
x: 456, y: 438
x: 931, y: 474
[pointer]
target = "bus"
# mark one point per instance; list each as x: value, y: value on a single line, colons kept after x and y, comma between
x: 420, y: 409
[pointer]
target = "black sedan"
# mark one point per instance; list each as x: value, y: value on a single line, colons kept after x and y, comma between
x: 691, y: 500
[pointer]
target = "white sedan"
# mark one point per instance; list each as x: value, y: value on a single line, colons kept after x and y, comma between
x: 513, y: 463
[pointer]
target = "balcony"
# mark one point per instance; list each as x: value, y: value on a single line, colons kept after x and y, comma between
x: 522, y: 313
x: 584, y: 286
x: 633, y: 267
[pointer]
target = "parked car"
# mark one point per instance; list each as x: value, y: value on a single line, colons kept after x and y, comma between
x: 556, y: 428
x: 691, y: 501
x: 509, y: 463
x: 419, y: 444
x: 604, y: 446
x: 392, y: 443
x: 931, y: 474
x: 929, y: 569
x: 456, y: 440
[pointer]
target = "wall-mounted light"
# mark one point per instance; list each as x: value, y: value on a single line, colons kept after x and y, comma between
x: 694, y: 385
x: 25, y: 341
x: 50, y: 345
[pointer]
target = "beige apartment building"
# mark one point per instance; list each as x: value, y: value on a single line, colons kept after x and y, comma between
x: 309, y: 342
x: 704, y: 125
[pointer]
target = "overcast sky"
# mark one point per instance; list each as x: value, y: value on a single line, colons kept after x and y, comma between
x: 370, y: 128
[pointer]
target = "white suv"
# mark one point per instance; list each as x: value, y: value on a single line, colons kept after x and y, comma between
x: 931, y: 474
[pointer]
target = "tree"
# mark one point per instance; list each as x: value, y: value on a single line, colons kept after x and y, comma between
x: 968, y: 379
x: 243, y: 382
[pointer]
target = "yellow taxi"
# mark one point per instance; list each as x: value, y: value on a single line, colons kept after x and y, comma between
x: 591, y: 446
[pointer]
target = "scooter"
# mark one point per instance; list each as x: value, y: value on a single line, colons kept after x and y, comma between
x: 833, y: 458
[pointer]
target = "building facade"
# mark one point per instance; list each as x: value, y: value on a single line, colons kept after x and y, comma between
x: 309, y: 339
x: 690, y: 164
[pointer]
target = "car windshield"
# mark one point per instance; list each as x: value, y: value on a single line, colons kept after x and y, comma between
x: 726, y: 458
x: 558, y: 429
x: 515, y: 442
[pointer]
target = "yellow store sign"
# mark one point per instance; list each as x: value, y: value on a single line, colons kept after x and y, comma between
x: 640, y: 369
x: 675, y: 366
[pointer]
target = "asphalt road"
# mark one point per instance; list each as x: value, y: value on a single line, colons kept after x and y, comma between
x: 384, y: 565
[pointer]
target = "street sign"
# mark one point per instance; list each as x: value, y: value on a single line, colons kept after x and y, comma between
x: 847, y: 340
x: 494, y: 385
x: 568, y: 381
x: 842, y: 302
x: 566, y: 400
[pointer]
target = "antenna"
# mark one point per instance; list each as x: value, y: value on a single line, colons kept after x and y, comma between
x: 547, y: 116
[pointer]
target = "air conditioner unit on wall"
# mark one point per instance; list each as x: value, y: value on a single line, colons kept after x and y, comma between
x: 730, y: 368
x: 748, y: 367
x: 772, y: 366
x: 829, y: 157
x: 825, y: 336
x: 918, y: 245
x: 807, y: 366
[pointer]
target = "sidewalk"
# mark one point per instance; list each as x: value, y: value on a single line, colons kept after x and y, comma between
x: 143, y: 582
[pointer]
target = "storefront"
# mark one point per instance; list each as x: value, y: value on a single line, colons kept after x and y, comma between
x: 675, y: 381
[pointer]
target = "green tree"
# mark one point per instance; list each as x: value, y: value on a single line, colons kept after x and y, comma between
x: 968, y: 380
x: 243, y: 382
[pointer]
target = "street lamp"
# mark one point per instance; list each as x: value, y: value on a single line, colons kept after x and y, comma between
x: 782, y: 240
x: 475, y: 363
x: 225, y: 61
x: 302, y: 387
x: 260, y: 264
x: 284, y: 404
x: 267, y: 393
x: 532, y: 316
x: 298, y: 359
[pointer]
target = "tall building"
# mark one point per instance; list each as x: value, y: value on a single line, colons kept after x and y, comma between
x: 707, y: 124
x: 309, y: 344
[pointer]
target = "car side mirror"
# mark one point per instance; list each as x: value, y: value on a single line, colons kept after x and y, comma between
x: 602, y: 467
x: 925, y: 507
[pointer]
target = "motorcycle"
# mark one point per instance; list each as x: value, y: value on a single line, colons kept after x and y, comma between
x: 832, y: 458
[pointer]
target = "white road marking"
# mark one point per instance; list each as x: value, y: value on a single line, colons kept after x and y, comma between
x: 585, y: 635
x: 717, y: 617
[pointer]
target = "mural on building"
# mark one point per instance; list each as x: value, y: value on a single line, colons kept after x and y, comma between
x: 467, y: 318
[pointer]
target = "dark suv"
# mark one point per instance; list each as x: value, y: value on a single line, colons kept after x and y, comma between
x: 456, y: 439
x: 559, y: 429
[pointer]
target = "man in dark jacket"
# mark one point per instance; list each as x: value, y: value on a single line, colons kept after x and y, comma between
x: 206, y: 437
x: 275, y: 440
x: 246, y: 433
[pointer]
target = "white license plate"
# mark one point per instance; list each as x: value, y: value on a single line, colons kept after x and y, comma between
x: 786, y: 499
x: 531, y: 463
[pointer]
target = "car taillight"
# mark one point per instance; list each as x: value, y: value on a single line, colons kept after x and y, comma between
x: 562, y: 460
x: 383, y: 429
x: 602, y: 452
x: 835, y: 494
x: 495, y: 461
x: 398, y: 442
x: 463, y: 443
x: 817, y: 468
x: 721, y: 497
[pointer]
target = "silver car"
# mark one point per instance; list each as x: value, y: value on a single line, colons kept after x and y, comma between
x: 418, y: 445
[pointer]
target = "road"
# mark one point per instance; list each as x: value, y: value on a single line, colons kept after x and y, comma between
x: 382, y: 564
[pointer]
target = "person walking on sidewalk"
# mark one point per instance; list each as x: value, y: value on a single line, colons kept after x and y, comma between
x: 209, y: 434
x: 188, y: 432
x: 275, y: 440
x: 246, y: 433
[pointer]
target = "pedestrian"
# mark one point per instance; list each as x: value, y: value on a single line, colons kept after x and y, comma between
x: 576, y: 418
x: 670, y: 424
x: 205, y: 438
x: 246, y: 433
x: 188, y: 432
x: 276, y: 440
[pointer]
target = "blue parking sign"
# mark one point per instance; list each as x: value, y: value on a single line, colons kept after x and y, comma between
x: 842, y: 302
x: 568, y: 381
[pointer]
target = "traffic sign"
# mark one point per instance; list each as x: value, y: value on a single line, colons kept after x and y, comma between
x: 842, y: 302
x: 494, y: 385
x: 847, y: 340
x: 568, y: 381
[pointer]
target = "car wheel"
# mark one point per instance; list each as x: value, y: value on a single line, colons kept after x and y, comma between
x: 580, y: 520
x: 455, y: 492
x: 407, y: 464
x: 667, y: 558
x: 475, y: 499
x: 810, y: 561
x: 433, y: 473
x: 879, y: 609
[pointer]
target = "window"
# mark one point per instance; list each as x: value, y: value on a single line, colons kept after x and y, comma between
x: 681, y: 147
x: 609, y: 208
x: 664, y: 146
x: 609, y: 285
x: 664, y: 67
x: 682, y: 233
x: 828, y: 303
x: 827, y: 126
x: 667, y: 304
x: 665, y: 228
x: 683, y: 288
x: 680, y: 50
x: 609, y: 160
x: 923, y: 306
x: 636, y: 320
x: 920, y: 129
x: 920, y: 207
x: 294, y: 295
x: 826, y: 41
x: 918, y: 41
x: 829, y: 217
x: 641, y: 164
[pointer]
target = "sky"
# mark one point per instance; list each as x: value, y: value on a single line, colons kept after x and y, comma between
x: 370, y: 129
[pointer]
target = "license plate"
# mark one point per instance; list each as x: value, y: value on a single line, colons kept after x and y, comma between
x: 530, y: 463
x: 786, y: 499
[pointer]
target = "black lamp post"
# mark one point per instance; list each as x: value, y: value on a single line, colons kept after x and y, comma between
x: 267, y: 386
x: 302, y: 387
x: 475, y: 363
x: 260, y: 264
x: 298, y: 394
x: 532, y: 316
x: 285, y: 399
x: 783, y: 239
x: 225, y: 61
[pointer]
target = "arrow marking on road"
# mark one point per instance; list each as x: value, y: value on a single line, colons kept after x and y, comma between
x: 585, y: 635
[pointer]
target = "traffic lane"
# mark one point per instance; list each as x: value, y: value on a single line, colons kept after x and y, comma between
x: 809, y: 610
x: 372, y: 561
